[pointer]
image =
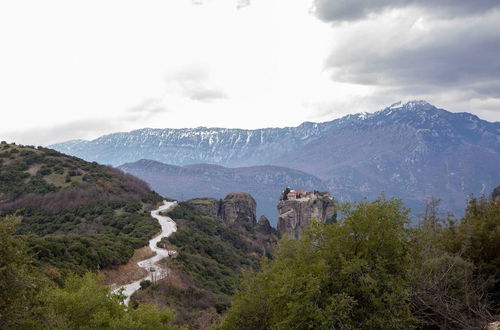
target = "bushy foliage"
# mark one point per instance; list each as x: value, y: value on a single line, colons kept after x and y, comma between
x: 90, y: 238
x: 189, y: 303
x: 27, y: 301
x: 78, y: 215
x: 447, y: 291
x: 210, y: 251
x: 348, y: 275
x: 370, y: 271
x: 477, y: 239
x: 80, y: 253
x: 145, y: 284
x: 211, y: 258
x: 75, y: 182
x: 85, y: 304
x: 19, y: 280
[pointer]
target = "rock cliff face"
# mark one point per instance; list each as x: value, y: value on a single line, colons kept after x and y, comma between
x: 298, y: 208
x: 207, y: 206
x: 236, y: 207
x: 264, y: 226
x: 239, y: 207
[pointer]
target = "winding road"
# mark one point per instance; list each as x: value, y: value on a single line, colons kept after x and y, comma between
x: 168, y: 226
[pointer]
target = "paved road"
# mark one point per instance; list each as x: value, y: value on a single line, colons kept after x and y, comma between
x: 168, y: 226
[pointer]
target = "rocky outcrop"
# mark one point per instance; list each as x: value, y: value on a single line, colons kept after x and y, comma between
x: 296, y: 210
x: 237, y: 207
x: 264, y: 226
x: 206, y: 206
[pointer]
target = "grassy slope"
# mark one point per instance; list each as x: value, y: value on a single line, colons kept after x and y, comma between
x: 75, y: 215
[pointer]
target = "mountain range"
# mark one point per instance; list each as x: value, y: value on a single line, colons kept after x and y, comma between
x: 413, y: 151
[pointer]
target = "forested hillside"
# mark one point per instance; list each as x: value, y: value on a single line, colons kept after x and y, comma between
x: 75, y: 215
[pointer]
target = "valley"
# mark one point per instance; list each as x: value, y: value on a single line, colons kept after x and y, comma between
x: 264, y: 183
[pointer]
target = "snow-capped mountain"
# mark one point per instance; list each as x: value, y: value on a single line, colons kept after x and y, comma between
x: 413, y: 151
x: 227, y: 147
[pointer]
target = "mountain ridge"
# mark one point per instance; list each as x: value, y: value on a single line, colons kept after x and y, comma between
x: 411, y: 150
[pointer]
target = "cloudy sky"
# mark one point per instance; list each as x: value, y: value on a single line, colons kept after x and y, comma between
x: 80, y: 69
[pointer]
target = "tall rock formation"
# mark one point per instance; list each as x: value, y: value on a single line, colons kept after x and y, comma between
x: 238, y: 210
x: 239, y: 207
x: 297, y: 208
x: 207, y: 206
x: 236, y: 207
x: 264, y: 227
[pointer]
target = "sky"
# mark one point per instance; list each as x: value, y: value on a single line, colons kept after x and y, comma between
x: 81, y: 69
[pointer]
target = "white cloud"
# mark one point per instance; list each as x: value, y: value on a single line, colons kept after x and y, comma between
x: 258, y: 64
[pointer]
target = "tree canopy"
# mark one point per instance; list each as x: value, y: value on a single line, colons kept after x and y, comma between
x: 372, y: 271
x: 29, y: 301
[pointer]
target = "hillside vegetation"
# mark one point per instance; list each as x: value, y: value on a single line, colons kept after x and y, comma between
x: 371, y: 271
x: 208, y: 268
x: 29, y: 301
x: 75, y: 215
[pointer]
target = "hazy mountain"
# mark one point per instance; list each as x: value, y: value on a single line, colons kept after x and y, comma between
x: 411, y: 150
x: 264, y: 183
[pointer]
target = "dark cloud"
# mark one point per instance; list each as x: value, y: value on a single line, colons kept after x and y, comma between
x: 428, y: 57
x: 350, y: 10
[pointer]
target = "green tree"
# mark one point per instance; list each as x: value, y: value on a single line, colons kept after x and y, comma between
x: 19, y: 280
x: 29, y: 301
x: 347, y: 275
x: 84, y: 303
x: 446, y: 293
x: 477, y: 239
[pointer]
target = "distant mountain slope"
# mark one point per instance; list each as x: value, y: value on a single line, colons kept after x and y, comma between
x: 412, y: 151
x: 228, y: 147
x: 75, y: 215
x: 264, y: 183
